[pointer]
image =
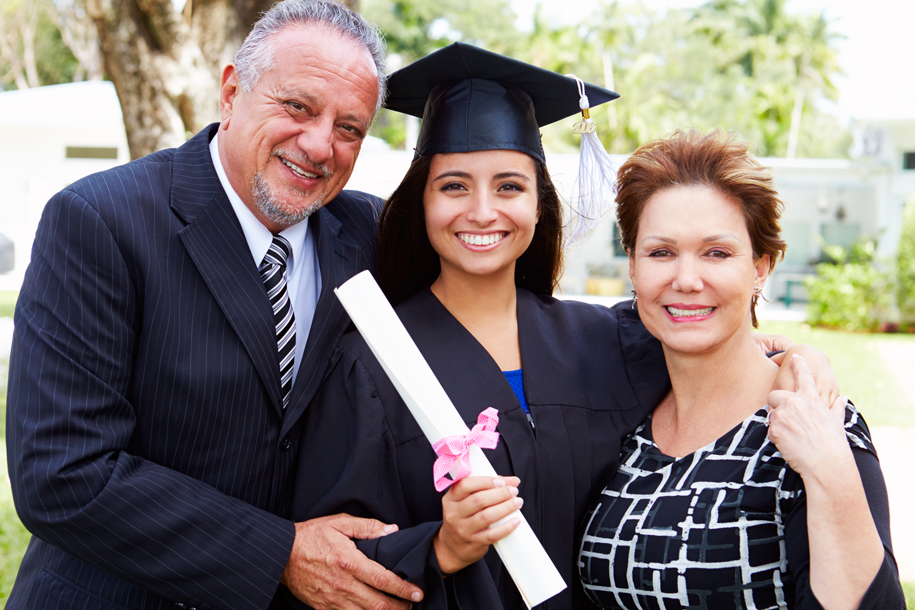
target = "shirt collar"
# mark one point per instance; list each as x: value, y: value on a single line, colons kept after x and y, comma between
x: 257, y: 235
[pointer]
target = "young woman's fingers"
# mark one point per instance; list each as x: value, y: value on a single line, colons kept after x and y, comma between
x: 494, y: 534
x: 483, y: 520
x: 472, y: 485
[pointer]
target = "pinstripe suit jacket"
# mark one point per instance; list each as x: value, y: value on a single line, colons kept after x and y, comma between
x: 148, y: 450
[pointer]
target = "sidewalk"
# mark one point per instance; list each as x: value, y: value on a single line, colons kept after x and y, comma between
x: 896, y: 448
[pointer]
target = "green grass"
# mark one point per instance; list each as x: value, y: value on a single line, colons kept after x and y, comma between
x: 909, y: 589
x: 862, y: 374
x: 13, y: 536
x: 7, y: 302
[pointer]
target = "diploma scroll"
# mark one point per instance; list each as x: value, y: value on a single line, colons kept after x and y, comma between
x: 521, y: 552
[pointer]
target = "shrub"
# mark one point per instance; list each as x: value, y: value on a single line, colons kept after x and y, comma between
x: 850, y: 292
x: 905, y: 268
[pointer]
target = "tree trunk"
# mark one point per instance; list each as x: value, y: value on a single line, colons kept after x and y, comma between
x: 166, y: 65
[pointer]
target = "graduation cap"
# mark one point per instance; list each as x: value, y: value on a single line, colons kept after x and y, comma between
x: 471, y: 99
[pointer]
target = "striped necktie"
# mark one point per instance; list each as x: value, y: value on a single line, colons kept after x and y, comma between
x: 273, y: 273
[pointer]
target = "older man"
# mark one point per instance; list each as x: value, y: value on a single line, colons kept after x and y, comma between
x: 175, y: 321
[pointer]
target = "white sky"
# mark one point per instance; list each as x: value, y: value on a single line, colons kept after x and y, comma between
x: 876, y: 55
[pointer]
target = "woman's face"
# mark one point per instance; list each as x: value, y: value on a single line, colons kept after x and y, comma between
x: 693, y: 269
x: 481, y: 210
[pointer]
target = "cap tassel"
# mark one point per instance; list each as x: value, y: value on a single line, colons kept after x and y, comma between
x: 593, y: 191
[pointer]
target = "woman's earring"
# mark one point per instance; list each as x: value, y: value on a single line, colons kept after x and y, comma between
x: 635, y: 298
x: 757, y: 291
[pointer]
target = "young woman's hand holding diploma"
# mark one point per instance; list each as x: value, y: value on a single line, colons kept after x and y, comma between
x: 469, y: 508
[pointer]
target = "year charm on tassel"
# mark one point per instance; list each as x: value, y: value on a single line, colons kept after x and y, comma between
x: 585, y: 125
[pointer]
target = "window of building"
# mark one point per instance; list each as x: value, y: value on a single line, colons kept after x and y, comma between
x: 618, y: 249
x: 908, y: 160
x: 91, y: 152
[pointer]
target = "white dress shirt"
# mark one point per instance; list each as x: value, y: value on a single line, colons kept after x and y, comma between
x: 303, y: 275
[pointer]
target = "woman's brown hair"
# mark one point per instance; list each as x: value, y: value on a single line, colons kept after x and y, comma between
x: 715, y: 160
x: 408, y: 263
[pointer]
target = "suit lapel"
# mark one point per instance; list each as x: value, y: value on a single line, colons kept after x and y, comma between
x: 338, y: 260
x: 216, y: 244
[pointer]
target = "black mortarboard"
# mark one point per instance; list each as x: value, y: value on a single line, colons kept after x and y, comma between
x: 471, y: 99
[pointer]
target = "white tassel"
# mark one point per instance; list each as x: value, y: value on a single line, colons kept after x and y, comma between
x: 593, y: 191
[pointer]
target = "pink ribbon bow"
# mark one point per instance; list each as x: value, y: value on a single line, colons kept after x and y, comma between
x: 456, y: 448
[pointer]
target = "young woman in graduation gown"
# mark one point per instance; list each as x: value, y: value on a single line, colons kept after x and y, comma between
x: 470, y: 254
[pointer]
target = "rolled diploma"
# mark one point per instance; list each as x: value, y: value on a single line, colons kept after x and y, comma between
x: 521, y: 552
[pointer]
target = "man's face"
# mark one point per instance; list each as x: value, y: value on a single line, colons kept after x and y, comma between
x: 289, y: 145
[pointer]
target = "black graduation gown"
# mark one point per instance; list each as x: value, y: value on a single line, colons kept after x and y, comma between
x: 591, y: 374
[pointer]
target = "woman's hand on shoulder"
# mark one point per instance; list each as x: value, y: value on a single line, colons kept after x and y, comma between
x: 809, y: 434
x: 469, y: 508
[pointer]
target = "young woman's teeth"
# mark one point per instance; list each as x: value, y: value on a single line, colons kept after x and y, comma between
x: 689, y: 313
x: 481, y: 240
x: 298, y: 170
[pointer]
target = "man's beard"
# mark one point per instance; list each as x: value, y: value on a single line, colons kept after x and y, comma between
x: 278, y: 210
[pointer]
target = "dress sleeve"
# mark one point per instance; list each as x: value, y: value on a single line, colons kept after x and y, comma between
x: 885, y: 592
x: 349, y: 435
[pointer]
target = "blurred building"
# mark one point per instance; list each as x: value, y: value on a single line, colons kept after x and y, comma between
x: 51, y: 136
x: 827, y: 201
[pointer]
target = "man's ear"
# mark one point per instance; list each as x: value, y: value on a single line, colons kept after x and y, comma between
x: 227, y: 94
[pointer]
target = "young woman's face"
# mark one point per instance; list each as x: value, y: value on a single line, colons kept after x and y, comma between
x: 481, y: 210
x: 693, y: 269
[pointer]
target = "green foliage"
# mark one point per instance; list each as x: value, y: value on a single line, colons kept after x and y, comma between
x: 29, y: 20
x: 909, y: 589
x: 905, y: 268
x: 415, y: 28
x: 13, y: 535
x: 740, y: 64
x: 851, y: 292
x: 14, y: 538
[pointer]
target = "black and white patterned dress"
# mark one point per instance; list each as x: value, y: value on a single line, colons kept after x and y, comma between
x: 707, y: 530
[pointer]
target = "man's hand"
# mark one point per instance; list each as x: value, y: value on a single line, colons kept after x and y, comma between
x: 824, y: 377
x: 326, y: 570
x: 768, y: 343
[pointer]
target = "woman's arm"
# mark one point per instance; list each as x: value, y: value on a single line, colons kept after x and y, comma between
x: 885, y: 591
x: 846, y: 552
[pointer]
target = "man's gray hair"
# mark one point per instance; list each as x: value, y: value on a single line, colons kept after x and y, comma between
x: 256, y: 54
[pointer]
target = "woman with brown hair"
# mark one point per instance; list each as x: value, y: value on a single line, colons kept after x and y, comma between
x: 729, y: 495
